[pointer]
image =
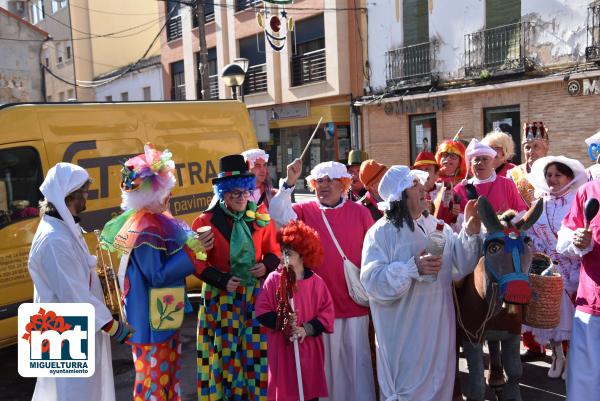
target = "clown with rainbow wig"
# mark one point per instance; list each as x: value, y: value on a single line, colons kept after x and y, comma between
x: 232, y: 346
x: 159, y: 251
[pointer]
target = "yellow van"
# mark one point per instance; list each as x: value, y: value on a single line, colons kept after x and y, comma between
x: 99, y: 137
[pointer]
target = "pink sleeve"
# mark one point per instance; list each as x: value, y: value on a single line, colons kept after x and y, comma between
x: 460, y: 190
x: 326, y: 312
x: 267, y: 299
x: 574, y: 218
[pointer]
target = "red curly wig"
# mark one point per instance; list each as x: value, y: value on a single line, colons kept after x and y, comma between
x: 302, y: 239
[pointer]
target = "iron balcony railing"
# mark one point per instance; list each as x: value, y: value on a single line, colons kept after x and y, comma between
x: 174, y: 28
x: 592, y: 51
x: 244, y: 4
x: 213, y: 84
x: 498, y: 51
x: 309, y: 67
x: 256, y: 79
x: 409, y: 64
x: 178, y: 93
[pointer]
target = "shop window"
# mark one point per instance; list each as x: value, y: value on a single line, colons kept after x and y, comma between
x: 423, y: 135
x: 506, y: 119
x: 20, y: 178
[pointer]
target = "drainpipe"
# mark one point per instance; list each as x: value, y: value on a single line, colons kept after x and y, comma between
x: 42, y: 69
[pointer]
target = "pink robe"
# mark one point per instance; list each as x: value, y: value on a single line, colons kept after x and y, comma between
x: 349, y: 222
x: 501, y: 193
x: 588, y: 292
x: 312, y: 300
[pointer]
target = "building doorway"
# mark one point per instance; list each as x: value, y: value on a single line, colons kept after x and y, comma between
x: 423, y: 135
x: 506, y: 119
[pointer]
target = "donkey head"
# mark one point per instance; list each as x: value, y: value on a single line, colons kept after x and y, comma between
x: 507, y: 254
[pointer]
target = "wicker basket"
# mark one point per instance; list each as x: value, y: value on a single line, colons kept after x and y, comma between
x: 543, y: 312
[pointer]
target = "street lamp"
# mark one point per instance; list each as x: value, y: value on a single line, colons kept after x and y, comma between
x: 233, y: 76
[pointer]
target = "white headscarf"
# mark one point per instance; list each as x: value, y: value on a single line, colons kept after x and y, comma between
x: 61, y: 180
x: 332, y: 170
x: 252, y: 155
x: 395, y: 181
x: 537, y: 178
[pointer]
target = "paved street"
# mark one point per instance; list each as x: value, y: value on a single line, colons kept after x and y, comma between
x: 535, y: 386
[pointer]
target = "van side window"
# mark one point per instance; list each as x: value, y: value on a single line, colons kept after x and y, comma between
x: 20, y: 178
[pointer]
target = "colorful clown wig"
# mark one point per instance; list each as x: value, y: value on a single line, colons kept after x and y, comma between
x: 246, y: 182
x: 147, y: 179
x: 455, y: 146
x: 302, y: 239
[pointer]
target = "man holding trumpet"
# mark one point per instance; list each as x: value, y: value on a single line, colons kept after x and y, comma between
x: 63, y: 271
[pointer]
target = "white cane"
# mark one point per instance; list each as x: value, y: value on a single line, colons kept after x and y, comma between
x: 297, y: 358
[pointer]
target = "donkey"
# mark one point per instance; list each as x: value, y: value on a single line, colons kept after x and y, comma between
x: 499, y: 278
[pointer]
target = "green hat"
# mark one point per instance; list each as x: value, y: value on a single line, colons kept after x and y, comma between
x: 356, y: 157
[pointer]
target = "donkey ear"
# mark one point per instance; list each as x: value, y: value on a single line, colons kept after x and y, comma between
x: 487, y: 215
x: 531, y: 216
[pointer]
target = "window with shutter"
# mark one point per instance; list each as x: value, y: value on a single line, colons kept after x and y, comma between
x: 503, y: 33
x: 502, y: 12
x: 415, y: 20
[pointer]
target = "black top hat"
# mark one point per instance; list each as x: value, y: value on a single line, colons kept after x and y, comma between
x: 232, y: 166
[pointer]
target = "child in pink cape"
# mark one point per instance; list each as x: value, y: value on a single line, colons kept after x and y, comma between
x: 314, y: 315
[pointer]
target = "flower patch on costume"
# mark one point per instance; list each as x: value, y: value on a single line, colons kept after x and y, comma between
x: 166, y: 308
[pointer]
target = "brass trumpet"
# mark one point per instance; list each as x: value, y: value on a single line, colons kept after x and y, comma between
x: 109, y: 281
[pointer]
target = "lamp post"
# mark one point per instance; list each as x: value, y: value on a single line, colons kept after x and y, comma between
x: 234, y: 75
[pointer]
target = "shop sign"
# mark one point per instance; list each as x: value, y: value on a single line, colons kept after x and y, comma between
x: 414, y: 106
x: 287, y: 111
x: 585, y: 86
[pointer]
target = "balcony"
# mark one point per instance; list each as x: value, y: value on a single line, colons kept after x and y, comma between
x: 213, y: 84
x: 309, y: 67
x: 174, y: 28
x: 592, y: 51
x: 498, y: 51
x: 244, y: 4
x: 410, y: 66
x: 178, y: 92
x: 256, y: 79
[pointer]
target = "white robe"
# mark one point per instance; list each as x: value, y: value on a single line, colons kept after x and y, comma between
x: 414, y: 320
x: 63, y: 272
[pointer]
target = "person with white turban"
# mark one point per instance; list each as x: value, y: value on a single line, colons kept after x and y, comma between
x: 63, y: 271
x: 347, y: 354
x: 593, y: 143
x: 257, y: 160
x: 500, y: 191
x: 414, y: 316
